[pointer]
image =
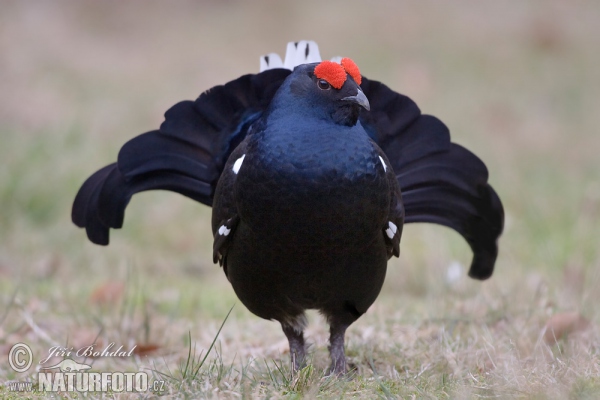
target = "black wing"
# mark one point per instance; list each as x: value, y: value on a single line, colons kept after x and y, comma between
x: 186, y: 155
x: 441, y: 182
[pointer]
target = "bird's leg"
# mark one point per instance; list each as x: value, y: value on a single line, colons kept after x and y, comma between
x: 337, y: 332
x: 295, y: 338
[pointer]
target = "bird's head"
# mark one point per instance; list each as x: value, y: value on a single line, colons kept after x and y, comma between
x: 325, y: 90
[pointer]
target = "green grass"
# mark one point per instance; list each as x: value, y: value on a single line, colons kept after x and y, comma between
x: 518, y: 84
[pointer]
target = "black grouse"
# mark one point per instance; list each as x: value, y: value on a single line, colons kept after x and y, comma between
x: 311, y: 174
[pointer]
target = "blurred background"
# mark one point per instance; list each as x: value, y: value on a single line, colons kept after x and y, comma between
x: 517, y: 83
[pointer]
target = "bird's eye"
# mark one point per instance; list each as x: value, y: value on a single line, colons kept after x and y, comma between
x: 323, y: 84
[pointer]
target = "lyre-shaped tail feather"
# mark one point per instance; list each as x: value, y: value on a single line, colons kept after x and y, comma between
x: 441, y: 182
x: 186, y: 155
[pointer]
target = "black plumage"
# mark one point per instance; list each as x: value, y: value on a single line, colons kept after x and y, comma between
x: 309, y: 188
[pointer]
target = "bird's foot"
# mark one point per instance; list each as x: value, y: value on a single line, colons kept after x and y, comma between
x: 346, y: 371
x: 338, y: 368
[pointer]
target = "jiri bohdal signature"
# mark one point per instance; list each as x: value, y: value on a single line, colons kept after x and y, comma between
x: 88, y: 351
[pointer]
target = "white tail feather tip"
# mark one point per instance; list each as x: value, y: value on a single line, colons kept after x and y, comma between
x: 270, y: 61
x: 297, y: 53
x: 302, y: 52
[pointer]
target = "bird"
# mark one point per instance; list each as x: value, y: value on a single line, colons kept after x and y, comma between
x: 311, y: 170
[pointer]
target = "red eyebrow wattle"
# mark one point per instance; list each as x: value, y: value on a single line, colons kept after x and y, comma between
x: 352, y: 69
x: 332, y: 72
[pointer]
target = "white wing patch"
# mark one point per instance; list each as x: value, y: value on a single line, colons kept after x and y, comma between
x: 391, y: 230
x: 238, y: 164
x: 297, y: 53
x: 224, y: 231
x: 383, y: 163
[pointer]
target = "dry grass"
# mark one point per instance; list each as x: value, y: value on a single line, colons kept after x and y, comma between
x: 517, y: 83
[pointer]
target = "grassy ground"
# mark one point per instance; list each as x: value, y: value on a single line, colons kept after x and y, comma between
x: 518, y: 84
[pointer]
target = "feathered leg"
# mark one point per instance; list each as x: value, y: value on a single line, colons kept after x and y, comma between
x: 337, y: 332
x: 297, y: 346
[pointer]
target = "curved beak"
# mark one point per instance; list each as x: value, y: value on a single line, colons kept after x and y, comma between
x: 359, y: 99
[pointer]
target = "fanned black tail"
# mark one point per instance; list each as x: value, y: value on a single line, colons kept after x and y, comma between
x: 451, y: 189
x: 186, y: 155
x: 441, y: 182
x: 160, y: 162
